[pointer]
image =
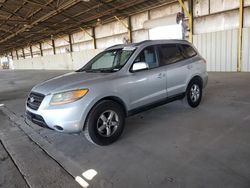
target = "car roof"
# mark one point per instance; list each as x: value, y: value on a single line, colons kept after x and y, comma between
x: 148, y: 42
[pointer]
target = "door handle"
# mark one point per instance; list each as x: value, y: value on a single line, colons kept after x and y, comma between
x: 160, y: 75
x: 190, y: 66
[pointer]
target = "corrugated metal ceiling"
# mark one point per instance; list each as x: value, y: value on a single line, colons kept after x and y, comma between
x: 24, y: 22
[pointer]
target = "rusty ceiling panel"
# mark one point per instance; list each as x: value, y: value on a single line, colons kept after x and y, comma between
x: 25, y: 22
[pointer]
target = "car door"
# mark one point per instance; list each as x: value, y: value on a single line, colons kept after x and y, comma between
x: 147, y: 86
x: 177, y: 68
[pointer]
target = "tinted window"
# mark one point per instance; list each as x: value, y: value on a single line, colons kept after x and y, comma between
x: 169, y: 53
x: 148, y: 56
x: 188, y: 51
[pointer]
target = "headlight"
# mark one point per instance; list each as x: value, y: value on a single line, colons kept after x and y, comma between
x: 68, y: 97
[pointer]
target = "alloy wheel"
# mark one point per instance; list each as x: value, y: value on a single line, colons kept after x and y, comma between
x: 107, y: 123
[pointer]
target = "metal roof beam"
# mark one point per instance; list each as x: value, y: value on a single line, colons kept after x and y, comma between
x: 7, y: 10
x: 67, y: 5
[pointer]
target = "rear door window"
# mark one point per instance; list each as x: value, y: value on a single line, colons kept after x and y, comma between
x: 169, y: 53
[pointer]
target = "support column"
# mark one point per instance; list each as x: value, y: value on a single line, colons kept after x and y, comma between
x: 149, y: 18
x: 31, y: 52
x: 70, y: 43
x: 17, y: 55
x: 11, y: 54
x: 130, y: 37
x: 94, y: 38
x: 209, y: 7
x: 190, y: 18
x: 127, y: 26
x: 23, y: 53
x: 191, y: 25
x: 240, y: 35
x: 41, y: 49
x: 54, y: 46
x: 91, y: 35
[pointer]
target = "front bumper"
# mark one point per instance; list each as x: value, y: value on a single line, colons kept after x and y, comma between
x: 67, y: 118
x: 37, y: 119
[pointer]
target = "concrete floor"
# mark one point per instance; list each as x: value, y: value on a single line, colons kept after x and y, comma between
x: 169, y: 146
x: 24, y: 155
x: 8, y: 171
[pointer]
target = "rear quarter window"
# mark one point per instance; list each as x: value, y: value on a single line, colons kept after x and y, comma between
x: 188, y: 51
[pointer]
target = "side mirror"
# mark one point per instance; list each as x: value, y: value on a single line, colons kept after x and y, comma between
x: 139, y: 66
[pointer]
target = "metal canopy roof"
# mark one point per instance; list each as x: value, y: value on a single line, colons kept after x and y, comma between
x: 25, y: 22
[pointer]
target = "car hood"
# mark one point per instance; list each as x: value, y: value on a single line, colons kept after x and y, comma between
x: 69, y: 81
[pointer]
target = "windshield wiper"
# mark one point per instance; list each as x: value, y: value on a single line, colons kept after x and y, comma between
x: 92, y: 70
x: 105, y: 70
x: 102, y: 70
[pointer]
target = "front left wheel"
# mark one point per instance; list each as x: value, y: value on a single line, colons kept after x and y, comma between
x: 105, y: 123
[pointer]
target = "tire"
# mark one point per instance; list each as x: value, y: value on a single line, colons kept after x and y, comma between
x: 100, y: 128
x: 193, y: 93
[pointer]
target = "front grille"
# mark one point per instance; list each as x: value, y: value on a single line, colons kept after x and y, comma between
x: 37, y: 119
x: 35, y: 100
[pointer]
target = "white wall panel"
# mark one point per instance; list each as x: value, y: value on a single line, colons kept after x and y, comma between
x: 110, y: 29
x: 81, y: 46
x: 140, y: 35
x: 48, y: 52
x: 62, y: 41
x: 222, y: 5
x: 219, y: 49
x: 47, y: 44
x: 110, y: 41
x: 67, y: 61
x: 27, y: 52
x: 20, y: 54
x: 62, y: 49
x: 246, y: 2
x: 22, y: 64
x: 246, y: 50
x: 200, y: 7
x: 246, y: 18
x: 138, y: 20
x: 79, y: 59
x: 82, y: 36
x: 36, y: 50
x: 218, y: 22
x: 14, y: 54
x: 165, y: 10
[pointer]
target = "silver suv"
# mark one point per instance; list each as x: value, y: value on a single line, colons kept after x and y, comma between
x: 120, y: 81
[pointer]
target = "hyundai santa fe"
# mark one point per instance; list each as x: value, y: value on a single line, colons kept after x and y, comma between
x: 120, y: 81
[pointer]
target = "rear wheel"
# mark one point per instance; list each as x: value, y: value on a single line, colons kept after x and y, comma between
x: 193, y: 93
x: 105, y: 123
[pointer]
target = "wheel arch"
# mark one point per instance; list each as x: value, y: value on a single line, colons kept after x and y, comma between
x: 117, y: 100
x: 196, y: 77
x: 111, y: 98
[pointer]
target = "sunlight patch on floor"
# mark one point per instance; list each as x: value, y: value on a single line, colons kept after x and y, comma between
x: 88, y: 175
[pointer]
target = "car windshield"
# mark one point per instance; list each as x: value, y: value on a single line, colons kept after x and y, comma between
x: 109, y: 61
